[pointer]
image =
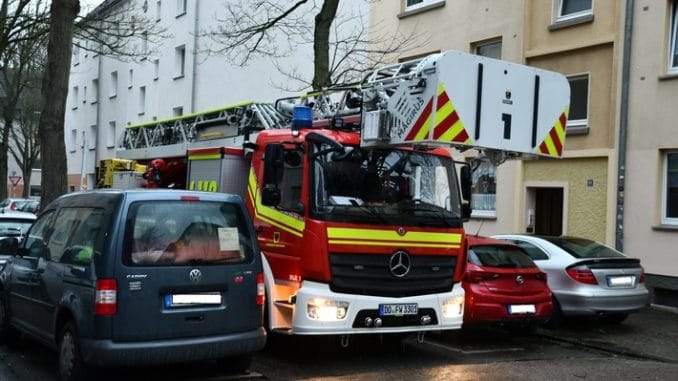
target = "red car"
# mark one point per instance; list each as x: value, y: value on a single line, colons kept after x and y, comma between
x: 504, y: 286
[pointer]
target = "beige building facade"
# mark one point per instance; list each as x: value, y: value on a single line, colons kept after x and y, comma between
x: 618, y: 179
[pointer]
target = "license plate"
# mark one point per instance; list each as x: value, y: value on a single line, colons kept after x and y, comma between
x: 184, y: 300
x: 621, y: 281
x: 398, y: 309
x: 515, y: 309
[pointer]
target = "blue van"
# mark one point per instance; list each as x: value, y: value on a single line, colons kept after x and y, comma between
x: 139, y: 277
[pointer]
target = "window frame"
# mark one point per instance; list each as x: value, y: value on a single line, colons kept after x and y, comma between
x: 673, y: 39
x: 179, y: 61
x: 480, y: 44
x: 422, y: 4
x: 110, y: 134
x: 673, y: 221
x: 484, y: 213
x: 114, y: 84
x: 580, y: 125
x: 570, y: 16
x: 142, y: 100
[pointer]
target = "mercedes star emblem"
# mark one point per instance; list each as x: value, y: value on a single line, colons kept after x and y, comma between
x: 399, y: 264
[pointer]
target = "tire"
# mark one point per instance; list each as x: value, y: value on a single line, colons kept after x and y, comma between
x: 8, y: 334
x: 615, y: 318
x: 236, y: 364
x: 71, y: 366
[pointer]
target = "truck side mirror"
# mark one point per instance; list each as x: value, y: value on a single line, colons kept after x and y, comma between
x: 466, y: 182
x: 466, y: 211
x: 273, y: 164
x: 270, y: 196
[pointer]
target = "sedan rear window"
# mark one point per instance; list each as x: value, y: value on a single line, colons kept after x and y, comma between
x: 499, y: 256
x: 166, y: 233
x: 584, y: 248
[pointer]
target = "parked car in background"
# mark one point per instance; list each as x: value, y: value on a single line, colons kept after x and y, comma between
x: 586, y: 277
x: 504, y: 286
x: 32, y: 206
x: 122, y: 278
x: 13, y: 203
x: 13, y: 228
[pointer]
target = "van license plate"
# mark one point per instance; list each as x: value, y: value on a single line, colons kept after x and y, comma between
x: 398, y: 309
x: 183, y: 300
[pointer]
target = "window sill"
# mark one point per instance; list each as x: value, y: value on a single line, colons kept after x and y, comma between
x: 180, y: 14
x: 112, y: 96
x: 489, y: 215
x: 178, y: 76
x: 561, y: 24
x: 425, y: 8
x: 577, y: 130
x: 665, y: 228
x: 668, y: 76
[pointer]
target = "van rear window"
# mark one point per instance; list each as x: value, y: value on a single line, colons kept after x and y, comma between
x: 162, y: 233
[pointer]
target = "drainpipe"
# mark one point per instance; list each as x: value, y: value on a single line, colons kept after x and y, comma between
x: 195, y: 54
x: 623, y: 126
x: 98, y: 122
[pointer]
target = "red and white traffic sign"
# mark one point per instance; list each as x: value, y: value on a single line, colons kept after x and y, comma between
x: 14, y: 179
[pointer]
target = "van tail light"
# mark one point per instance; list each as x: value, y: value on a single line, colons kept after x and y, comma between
x: 581, y: 274
x: 106, y: 298
x: 261, y: 289
x: 542, y: 276
x: 642, y: 275
x: 12, y: 206
x: 475, y: 276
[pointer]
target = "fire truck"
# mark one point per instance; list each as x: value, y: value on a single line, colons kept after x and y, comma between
x: 357, y: 201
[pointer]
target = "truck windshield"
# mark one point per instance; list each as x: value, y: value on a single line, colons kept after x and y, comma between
x: 384, y: 186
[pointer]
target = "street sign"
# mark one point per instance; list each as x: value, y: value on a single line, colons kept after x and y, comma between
x: 14, y: 180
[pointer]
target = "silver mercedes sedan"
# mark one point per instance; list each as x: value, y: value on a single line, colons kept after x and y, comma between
x: 586, y: 277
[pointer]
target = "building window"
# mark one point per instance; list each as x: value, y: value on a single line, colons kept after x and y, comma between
x: 491, y: 49
x: 483, y: 188
x: 142, y: 100
x: 569, y: 9
x: 110, y: 135
x: 95, y: 90
x: 179, y: 61
x: 181, y: 7
x: 92, y: 141
x: 74, y: 140
x: 144, y: 44
x: 74, y: 97
x: 114, y: 84
x: 76, y: 55
x: 178, y: 111
x: 130, y: 79
x: 84, y: 94
x: 673, y: 49
x: 416, y: 4
x: 156, y: 68
x: 670, y: 189
x: 158, y: 10
x: 579, y: 103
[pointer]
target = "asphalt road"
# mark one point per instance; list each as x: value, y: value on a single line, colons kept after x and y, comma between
x: 645, y: 347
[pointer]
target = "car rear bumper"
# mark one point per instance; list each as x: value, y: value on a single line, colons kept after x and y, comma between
x: 478, y: 311
x: 109, y: 353
x: 591, y: 304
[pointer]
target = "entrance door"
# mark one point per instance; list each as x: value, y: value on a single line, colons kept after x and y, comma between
x: 548, y: 211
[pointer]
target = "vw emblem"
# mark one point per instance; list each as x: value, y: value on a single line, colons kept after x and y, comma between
x: 195, y: 275
x: 399, y: 264
x: 520, y: 279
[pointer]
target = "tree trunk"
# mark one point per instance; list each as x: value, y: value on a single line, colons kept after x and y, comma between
x: 321, y: 44
x: 4, y: 150
x: 54, y: 93
x: 27, y: 181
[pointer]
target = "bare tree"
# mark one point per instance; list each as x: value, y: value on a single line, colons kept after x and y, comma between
x: 25, y: 147
x: 54, y: 93
x: 278, y: 28
x: 18, y: 71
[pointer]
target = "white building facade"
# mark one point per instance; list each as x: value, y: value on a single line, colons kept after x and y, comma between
x: 176, y: 77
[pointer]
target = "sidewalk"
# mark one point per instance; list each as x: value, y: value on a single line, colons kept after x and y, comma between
x: 651, y: 333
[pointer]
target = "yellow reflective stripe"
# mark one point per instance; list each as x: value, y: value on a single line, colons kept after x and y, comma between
x: 205, y: 156
x: 550, y: 146
x: 394, y: 243
x: 423, y: 132
x: 393, y: 236
x: 452, y: 132
x: 278, y: 219
x: 443, y: 112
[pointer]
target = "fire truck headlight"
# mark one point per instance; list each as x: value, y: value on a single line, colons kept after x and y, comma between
x: 453, y: 307
x: 326, y: 309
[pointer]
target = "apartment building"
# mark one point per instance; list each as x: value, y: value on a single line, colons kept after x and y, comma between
x: 618, y: 179
x: 650, y: 216
x: 176, y: 77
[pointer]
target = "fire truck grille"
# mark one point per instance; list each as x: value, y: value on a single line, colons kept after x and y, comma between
x: 369, y: 274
